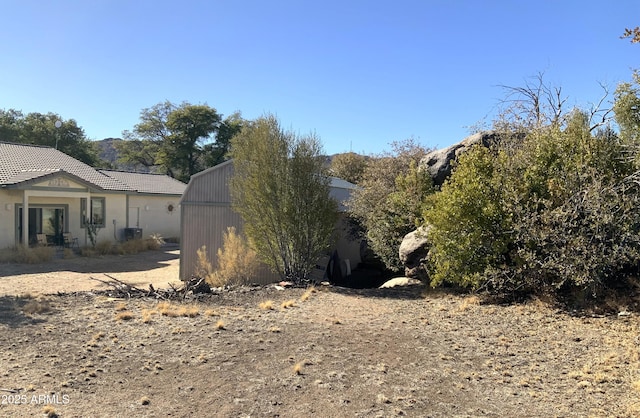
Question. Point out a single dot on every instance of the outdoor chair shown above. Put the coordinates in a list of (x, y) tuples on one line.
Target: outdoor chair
[(42, 240), (70, 241)]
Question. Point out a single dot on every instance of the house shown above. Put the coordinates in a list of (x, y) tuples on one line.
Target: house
[(207, 213), (60, 194)]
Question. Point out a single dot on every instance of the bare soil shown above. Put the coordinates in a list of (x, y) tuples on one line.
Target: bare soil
[(334, 352)]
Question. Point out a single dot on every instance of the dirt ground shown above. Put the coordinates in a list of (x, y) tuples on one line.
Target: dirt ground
[(326, 352)]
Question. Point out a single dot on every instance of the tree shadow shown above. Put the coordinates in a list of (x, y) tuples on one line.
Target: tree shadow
[(12, 312)]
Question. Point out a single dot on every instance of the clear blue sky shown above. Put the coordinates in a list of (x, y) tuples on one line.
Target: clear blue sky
[(359, 73)]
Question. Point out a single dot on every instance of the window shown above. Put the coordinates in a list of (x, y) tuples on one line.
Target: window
[(95, 213)]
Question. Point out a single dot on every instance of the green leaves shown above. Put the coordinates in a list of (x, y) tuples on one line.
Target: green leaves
[(282, 193)]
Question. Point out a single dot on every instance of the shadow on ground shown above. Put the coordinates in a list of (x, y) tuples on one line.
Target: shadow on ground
[(12, 312)]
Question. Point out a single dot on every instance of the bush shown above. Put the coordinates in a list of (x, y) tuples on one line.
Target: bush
[(237, 262), (389, 203), (558, 212)]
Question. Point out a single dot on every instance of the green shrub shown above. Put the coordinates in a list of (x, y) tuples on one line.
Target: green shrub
[(469, 225), (390, 201), (557, 212)]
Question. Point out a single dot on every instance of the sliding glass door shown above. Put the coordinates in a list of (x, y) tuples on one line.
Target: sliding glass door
[(49, 220)]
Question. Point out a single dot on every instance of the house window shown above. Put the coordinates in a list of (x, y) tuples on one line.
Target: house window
[(95, 213)]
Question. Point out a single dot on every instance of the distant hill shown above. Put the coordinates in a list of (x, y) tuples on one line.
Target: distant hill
[(108, 151), (109, 154)]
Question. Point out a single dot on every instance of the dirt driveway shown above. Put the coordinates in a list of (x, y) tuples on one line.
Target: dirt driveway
[(332, 352), (72, 275)]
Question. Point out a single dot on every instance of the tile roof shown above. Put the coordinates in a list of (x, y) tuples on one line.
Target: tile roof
[(148, 183), (21, 163)]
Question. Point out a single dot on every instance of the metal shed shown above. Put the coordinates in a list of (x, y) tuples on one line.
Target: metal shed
[(206, 214)]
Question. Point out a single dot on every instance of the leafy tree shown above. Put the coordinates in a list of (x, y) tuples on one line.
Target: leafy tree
[(627, 111), (281, 190), (557, 212), (632, 34), (216, 152), (348, 166), (389, 202), (41, 129), (171, 138)]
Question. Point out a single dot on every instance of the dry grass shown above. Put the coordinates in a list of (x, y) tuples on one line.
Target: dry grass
[(307, 294), (267, 305), (211, 312), (288, 304), (237, 262), (26, 255), (125, 316), (468, 302), (49, 411), (220, 325), (37, 306), (122, 306)]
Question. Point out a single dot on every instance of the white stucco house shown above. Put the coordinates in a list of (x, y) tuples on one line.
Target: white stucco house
[(44, 191)]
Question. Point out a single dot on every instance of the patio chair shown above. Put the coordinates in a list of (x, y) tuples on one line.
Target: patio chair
[(70, 241), (42, 240)]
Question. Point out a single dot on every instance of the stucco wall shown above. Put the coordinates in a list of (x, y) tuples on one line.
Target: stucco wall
[(151, 213)]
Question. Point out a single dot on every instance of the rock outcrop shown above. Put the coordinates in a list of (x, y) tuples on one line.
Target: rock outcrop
[(413, 253), (439, 163)]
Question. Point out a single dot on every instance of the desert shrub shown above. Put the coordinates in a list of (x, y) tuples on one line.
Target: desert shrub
[(237, 262), (469, 225), (133, 246), (558, 212), (389, 203), (103, 247), (204, 268), (26, 255), (155, 241)]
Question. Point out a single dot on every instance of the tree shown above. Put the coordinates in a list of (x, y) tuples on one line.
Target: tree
[(49, 130), (633, 34), (348, 166), (171, 138), (388, 204), (216, 152), (281, 190)]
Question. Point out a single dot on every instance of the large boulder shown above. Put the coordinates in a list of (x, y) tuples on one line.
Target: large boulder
[(439, 163), (413, 253)]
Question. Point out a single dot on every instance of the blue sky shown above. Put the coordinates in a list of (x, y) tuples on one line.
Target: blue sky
[(360, 74)]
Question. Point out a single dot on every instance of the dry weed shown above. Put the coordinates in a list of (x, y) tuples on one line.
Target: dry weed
[(267, 305), (49, 411), (124, 316), (468, 302), (122, 306), (220, 325), (288, 304), (38, 306), (237, 261), (307, 294)]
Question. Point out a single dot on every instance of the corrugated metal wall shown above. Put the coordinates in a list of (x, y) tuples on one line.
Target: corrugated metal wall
[(206, 213)]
